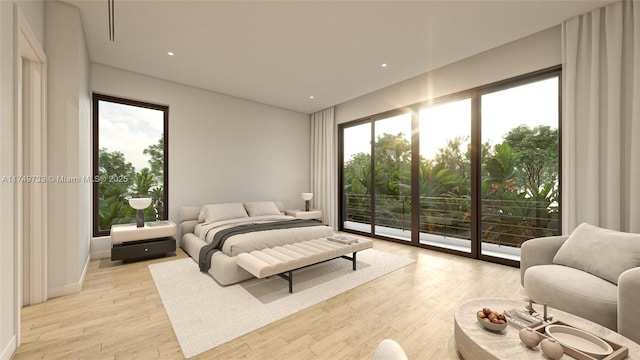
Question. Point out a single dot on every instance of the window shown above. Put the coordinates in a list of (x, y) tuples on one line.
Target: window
[(519, 160), (388, 185), (392, 180), (357, 177), (130, 150), (445, 174), (484, 164)]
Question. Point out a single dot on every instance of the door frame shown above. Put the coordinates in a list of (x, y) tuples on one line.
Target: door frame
[(30, 134)]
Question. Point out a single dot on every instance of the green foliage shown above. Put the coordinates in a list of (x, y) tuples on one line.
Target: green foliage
[(438, 180), (156, 161), (120, 182), (514, 211), (115, 173), (114, 210), (453, 158), (501, 165), (116, 176), (519, 186), (357, 184), (357, 174), (392, 180), (538, 154), (157, 193), (444, 198), (143, 181), (392, 164)]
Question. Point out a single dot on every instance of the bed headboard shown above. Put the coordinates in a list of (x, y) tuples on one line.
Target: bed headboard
[(188, 219)]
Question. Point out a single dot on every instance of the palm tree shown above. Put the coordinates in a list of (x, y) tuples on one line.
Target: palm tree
[(142, 183)]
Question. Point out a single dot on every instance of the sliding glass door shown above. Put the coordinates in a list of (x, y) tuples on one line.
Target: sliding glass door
[(520, 182), (392, 174), (474, 173), (376, 189), (356, 178), (445, 175)]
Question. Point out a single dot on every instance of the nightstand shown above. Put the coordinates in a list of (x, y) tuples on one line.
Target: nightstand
[(301, 214), (130, 242)]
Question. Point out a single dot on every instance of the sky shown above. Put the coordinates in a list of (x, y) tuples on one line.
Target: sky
[(531, 104), (130, 130)]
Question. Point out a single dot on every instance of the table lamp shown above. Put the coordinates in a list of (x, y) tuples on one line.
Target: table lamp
[(307, 197), (140, 204)]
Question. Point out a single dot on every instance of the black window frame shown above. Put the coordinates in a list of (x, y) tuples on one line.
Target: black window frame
[(476, 124), (96, 98)]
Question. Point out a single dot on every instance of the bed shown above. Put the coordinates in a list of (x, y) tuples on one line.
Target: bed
[(244, 227)]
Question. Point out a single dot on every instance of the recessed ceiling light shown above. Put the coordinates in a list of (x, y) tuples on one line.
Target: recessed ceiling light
[(170, 53), (312, 97), (384, 65)]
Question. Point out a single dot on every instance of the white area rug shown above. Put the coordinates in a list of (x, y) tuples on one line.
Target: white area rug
[(205, 314)]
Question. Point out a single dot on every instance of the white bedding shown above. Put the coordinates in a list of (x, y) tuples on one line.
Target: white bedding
[(206, 231), (224, 269), (261, 239)]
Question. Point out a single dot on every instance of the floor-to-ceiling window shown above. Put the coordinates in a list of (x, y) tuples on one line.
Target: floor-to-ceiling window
[(392, 176), (356, 177), (129, 160), (376, 176), (520, 157), (475, 173), (445, 174)]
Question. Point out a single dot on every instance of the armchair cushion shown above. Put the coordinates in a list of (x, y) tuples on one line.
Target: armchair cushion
[(602, 252), (574, 291), (539, 251)]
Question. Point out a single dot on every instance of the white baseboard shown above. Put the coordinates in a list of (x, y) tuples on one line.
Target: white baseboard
[(104, 254), (101, 247), (70, 288), (8, 351)]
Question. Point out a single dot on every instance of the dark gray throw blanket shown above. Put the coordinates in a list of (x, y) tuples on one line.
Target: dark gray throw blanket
[(221, 236)]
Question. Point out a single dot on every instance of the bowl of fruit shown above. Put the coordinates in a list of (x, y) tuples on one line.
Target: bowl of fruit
[(491, 319)]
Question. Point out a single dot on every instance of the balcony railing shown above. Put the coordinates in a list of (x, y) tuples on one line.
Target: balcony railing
[(503, 222)]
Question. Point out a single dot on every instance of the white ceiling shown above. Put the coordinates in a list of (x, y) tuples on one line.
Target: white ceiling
[(281, 53)]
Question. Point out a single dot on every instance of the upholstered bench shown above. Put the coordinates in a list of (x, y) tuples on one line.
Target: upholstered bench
[(283, 260)]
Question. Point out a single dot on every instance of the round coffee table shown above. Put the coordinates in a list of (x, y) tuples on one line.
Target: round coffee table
[(474, 342)]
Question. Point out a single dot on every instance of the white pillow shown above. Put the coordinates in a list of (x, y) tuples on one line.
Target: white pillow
[(202, 214), (218, 212), (262, 208), (601, 252)]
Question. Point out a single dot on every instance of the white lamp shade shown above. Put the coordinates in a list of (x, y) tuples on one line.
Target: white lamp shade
[(307, 196), (140, 203)]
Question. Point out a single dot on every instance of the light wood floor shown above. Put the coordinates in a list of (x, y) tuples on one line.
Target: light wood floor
[(119, 315)]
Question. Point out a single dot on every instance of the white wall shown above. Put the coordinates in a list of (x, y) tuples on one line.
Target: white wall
[(68, 148), (221, 148), (7, 270), (535, 52), (33, 11), (84, 156)]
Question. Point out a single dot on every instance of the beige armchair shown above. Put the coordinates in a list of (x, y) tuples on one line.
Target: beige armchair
[(578, 276)]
